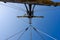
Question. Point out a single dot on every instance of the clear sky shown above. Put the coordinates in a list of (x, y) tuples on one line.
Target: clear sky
[(10, 24)]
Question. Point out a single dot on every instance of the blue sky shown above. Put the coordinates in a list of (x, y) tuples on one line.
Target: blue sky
[(10, 24)]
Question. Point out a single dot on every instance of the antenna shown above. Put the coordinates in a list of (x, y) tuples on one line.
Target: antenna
[(30, 15)]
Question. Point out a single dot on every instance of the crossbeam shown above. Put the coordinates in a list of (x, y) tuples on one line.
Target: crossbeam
[(30, 16)]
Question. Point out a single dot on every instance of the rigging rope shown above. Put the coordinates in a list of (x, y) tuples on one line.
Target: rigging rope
[(44, 33), (16, 34), (38, 33), (30, 33), (22, 33)]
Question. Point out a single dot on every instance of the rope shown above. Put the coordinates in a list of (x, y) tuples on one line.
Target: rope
[(14, 35), (22, 33), (45, 34), (38, 33), (30, 33)]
